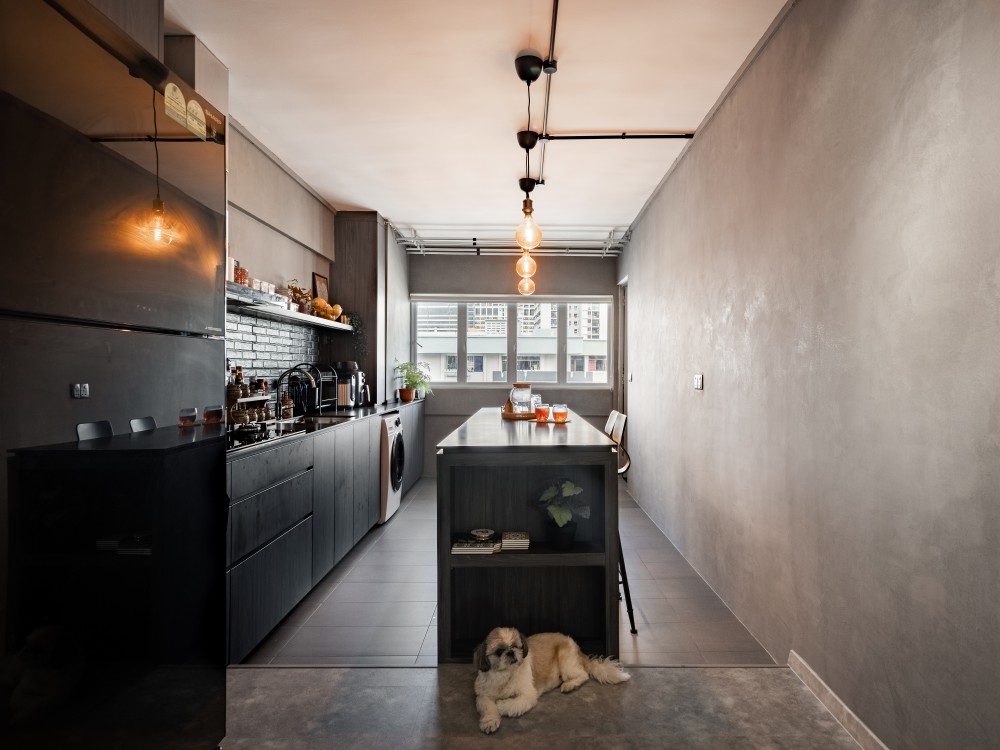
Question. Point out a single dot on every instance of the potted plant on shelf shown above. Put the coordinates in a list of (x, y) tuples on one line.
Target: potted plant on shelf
[(561, 500), (416, 377)]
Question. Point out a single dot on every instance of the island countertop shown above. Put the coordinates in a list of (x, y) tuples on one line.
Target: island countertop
[(486, 430)]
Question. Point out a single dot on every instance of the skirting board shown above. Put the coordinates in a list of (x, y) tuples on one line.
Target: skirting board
[(864, 736)]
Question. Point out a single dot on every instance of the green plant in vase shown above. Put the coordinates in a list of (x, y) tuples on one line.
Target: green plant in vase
[(416, 377)]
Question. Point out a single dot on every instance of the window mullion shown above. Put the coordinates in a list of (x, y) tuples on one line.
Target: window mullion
[(561, 350), (462, 376), (512, 327)]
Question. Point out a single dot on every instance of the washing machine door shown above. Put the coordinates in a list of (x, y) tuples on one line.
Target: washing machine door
[(396, 462)]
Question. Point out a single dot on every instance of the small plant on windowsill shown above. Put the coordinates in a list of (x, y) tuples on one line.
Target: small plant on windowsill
[(561, 500), (416, 377)]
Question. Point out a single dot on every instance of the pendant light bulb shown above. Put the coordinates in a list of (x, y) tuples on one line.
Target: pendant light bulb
[(528, 233), (526, 265), (158, 226), (526, 286)]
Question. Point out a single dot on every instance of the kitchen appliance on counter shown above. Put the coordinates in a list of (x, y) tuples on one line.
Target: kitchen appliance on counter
[(312, 388), (352, 390), (391, 470)]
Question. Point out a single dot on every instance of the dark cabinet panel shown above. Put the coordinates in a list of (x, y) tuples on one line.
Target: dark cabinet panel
[(362, 479), (264, 468), (412, 418), (324, 503), (374, 470), (265, 587), (257, 519), (344, 492)]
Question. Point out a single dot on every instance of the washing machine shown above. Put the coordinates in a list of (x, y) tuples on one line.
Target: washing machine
[(393, 457)]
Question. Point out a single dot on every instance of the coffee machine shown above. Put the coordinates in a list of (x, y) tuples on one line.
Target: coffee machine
[(352, 389)]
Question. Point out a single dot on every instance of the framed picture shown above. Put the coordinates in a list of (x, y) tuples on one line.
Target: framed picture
[(320, 287)]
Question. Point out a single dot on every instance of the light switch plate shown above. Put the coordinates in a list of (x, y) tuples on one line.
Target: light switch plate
[(74, 390), (84, 390), (699, 381)]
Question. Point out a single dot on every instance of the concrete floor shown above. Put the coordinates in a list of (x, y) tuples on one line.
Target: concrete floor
[(699, 679), (708, 708)]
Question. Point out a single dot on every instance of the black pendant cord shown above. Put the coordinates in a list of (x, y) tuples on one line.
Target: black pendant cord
[(527, 152), (156, 148)]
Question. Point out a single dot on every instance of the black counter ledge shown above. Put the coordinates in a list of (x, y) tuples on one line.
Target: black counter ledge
[(162, 439), (486, 430)]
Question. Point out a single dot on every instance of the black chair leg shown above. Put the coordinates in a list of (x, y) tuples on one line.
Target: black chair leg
[(628, 596)]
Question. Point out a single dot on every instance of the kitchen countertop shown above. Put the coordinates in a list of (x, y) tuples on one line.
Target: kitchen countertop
[(486, 430), (302, 428)]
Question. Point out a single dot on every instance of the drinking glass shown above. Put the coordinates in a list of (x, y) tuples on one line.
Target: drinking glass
[(559, 413), (187, 417), (542, 412)]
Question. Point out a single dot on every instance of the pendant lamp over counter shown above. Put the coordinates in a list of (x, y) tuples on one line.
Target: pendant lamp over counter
[(528, 234), (157, 226)]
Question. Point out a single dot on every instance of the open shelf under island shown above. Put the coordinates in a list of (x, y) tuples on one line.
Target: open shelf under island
[(490, 472)]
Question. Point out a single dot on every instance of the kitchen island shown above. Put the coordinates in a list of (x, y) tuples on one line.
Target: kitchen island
[(490, 472)]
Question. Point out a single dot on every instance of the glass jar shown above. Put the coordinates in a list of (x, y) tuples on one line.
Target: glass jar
[(520, 398), (240, 274)]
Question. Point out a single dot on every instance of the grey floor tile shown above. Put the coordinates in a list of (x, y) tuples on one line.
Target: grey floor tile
[(662, 659), (721, 636), (385, 573), (413, 614), (406, 545), (396, 591), (354, 641), (684, 587), (700, 609), (756, 656), (664, 637), (387, 555)]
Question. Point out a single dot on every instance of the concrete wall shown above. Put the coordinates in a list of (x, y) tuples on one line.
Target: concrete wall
[(826, 252)]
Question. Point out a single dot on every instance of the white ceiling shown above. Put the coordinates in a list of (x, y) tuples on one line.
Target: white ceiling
[(412, 108)]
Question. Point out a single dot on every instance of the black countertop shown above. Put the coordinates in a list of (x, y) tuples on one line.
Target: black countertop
[(486, 430), (170, 438)]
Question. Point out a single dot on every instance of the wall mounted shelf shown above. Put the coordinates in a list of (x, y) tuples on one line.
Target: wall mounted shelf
[(249, 302)]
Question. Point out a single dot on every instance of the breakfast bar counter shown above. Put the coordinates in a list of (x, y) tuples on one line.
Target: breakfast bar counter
[(490, 475)]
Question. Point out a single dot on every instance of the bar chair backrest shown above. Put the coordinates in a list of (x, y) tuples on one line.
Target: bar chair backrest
[(142, 424), (92, 430)]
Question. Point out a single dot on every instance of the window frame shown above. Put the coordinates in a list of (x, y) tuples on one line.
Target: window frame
[(561, 304)]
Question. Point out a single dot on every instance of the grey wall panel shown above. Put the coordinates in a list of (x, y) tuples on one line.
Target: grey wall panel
[(494, 274), (140, 19), (397, 300), (263, 188), (269, 255), (826, 254)]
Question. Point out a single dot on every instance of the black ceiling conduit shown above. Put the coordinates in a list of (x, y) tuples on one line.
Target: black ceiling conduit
[(549, 67)]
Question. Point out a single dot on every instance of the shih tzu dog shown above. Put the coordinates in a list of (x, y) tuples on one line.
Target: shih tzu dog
[(514, 671)]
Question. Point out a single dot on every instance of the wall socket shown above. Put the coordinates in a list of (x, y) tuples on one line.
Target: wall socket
[(79, 390), (699, 381)]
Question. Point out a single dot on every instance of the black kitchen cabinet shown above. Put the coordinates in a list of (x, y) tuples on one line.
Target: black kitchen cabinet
[(374, 470), (343, 491), (324, 503), (412, 419), (116, 592), (362, 469), (270, 557)]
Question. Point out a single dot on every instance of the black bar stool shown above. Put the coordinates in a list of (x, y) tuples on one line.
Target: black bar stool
[(615, 429)]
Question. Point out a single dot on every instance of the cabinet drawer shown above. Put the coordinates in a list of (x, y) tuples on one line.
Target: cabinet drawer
[(264, 468), (261, 517), (266, 586)]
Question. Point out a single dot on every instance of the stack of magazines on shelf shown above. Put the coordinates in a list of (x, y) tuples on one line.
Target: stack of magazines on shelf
[(468, 546), (514, 540)]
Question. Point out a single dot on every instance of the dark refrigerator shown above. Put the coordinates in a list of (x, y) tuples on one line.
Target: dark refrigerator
[(91, 293)]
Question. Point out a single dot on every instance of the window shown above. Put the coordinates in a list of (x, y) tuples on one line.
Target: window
[(486, 341), (436, 338), (548, 341), (587, 346), (537, 339)]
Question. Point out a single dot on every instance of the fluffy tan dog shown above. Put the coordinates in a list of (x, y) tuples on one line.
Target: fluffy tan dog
[(514, 671)]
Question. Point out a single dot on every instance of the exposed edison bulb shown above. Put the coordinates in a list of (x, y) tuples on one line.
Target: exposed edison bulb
[(526, 265), (526, 286), (528, 233), (157, 227)]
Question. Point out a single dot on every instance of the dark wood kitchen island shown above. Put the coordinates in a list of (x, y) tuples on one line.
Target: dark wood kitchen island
[(490, 472)]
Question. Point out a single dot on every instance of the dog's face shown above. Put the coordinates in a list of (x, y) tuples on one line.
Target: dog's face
[(504, 648)]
